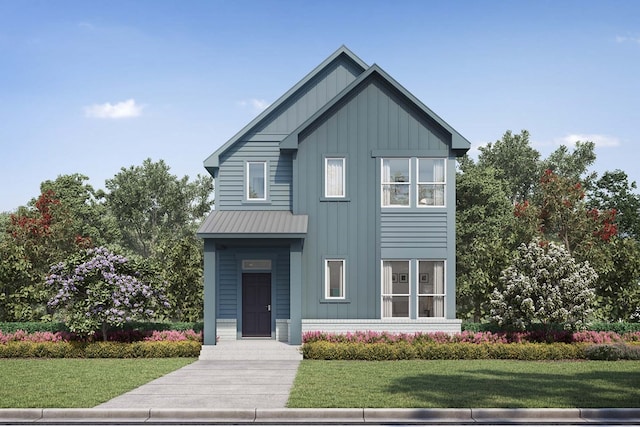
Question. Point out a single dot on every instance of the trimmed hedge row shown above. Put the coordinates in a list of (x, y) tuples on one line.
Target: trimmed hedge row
[(429, 351), (31, 327), (617, 327), (141, 349)]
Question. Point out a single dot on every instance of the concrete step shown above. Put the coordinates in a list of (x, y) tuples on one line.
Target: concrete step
[(251, 349)]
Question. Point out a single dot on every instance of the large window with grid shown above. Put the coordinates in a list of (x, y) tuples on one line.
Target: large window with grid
[(413, 182), (431, 289), (396, 289)]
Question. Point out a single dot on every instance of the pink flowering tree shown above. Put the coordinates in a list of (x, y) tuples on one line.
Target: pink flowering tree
[(96, 289)]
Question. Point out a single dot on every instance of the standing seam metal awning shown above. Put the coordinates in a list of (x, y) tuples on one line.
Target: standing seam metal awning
[(253, 224)]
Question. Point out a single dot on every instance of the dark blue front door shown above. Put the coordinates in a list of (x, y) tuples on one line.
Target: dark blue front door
[(256, 304)]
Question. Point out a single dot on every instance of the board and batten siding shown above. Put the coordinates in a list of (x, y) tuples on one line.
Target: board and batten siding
[(374, 119)]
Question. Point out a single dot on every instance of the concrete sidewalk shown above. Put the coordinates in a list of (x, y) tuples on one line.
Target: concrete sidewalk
[(234, 376)]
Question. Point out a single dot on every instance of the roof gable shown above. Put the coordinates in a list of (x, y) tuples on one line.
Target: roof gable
[(459, 144), (262, 120)]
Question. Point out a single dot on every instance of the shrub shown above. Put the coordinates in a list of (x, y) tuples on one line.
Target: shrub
[(431, 351), (100, 349), (614, 351)]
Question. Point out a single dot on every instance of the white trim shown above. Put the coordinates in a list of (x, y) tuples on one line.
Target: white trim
[(327, 278), (387, 295), (387, 181), (327, 173), (433, 294), (248, 183), (443, 183)]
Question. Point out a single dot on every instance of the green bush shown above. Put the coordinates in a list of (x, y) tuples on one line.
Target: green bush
[(31, 327), (616, 351), (620, 328), (432, 351), (115, 350)]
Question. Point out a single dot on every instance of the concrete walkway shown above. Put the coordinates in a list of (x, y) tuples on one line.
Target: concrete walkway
[(242, 374)]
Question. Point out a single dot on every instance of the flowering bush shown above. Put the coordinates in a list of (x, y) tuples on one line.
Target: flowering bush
[(468, 337), (174, 336), (544, 286), (98, 288), (22, 336)]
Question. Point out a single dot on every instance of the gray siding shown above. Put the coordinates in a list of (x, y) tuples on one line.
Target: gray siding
[(282, 285), (373, 119), (262, 143), (228, 285), (413, 229)]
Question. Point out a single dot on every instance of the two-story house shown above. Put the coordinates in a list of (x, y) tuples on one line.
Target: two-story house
[(335, 211)]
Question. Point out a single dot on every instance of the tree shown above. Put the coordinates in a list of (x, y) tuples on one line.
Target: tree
[(572, 165), (483, 220), (613, 191), (180, 262), (544, 286), (97, 289), (151, 205), (515, 162)]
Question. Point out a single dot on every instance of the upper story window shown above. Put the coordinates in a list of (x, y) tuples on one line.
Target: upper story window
[(256, 181), (396, 182), (334, 177), (334, 279), (399, 186), (431, 182)]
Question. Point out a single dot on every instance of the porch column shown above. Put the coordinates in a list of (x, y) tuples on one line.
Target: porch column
[(210, 327), (295, 294)]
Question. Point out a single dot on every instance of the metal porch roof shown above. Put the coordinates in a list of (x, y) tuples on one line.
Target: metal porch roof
[(253, 224)]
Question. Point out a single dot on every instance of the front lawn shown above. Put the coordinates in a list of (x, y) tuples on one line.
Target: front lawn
[(466, 384), (76, 383)]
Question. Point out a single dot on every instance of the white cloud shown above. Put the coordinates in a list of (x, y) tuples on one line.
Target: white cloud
[(599, 140), (625, 39), (121, 110), (256, 104)]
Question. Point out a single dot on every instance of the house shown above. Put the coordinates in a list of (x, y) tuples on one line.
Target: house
[(335, 211)]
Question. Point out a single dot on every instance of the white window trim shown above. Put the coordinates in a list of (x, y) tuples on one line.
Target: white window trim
[(248, 182), (443, 183), (383, 182), (434, 294), (326, 177), (383, 294), (327, 289)]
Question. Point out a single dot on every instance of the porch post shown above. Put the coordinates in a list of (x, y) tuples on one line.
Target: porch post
[(295, 294), (210, 327)]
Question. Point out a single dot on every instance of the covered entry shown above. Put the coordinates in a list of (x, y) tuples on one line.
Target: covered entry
[(253, 275)]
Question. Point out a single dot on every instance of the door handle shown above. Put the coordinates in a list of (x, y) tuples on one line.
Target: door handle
[(269, 307)]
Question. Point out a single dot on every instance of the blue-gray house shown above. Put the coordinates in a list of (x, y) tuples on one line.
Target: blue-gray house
[(335, 211)]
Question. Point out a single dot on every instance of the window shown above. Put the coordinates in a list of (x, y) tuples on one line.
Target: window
[(396, 182), (334, 278), (256, 181), (431, 182), (334, 177), (396, 289), (431, 289)]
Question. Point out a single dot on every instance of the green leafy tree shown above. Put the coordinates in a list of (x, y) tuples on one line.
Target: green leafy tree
[(180, 262), (613, 191), (97, 289), (572, 165), (483, 220), (544, 286), (150, 205), (515, 162)]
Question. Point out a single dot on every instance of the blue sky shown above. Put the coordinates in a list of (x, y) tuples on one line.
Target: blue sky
[(93, 86)]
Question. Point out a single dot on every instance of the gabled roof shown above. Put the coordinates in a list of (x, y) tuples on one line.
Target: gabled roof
[(253, 224), (458, 142), (212, 162)]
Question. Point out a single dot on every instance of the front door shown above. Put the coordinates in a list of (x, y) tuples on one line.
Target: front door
[(256, 304)]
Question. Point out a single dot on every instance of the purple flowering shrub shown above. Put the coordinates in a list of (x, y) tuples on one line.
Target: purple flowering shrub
[(370, 337), (115, 336), (188, 335), (97, 288)]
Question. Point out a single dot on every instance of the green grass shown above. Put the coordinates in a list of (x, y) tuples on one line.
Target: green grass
[(76, 383), (466, 384)]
